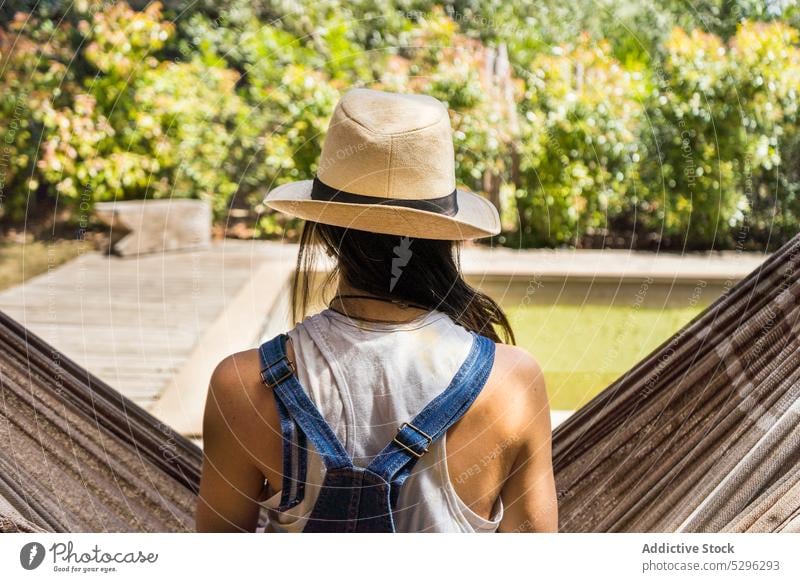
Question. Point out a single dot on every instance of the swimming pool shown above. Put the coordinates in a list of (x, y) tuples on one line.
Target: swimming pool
[(584, 348), (586, 329)]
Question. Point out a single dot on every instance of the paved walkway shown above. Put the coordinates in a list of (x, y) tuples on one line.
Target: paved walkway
[(154, 326)]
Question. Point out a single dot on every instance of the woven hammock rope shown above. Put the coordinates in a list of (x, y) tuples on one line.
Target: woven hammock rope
[(703, 435)]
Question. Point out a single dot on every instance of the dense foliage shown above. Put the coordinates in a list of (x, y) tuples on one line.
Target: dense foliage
[(593, 123)]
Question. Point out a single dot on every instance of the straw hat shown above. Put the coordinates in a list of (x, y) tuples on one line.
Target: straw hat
[(387, 166)]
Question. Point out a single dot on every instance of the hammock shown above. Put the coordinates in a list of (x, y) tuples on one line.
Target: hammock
[(77, 456), (701, 436)]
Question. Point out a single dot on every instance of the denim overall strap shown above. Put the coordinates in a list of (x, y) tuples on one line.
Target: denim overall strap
[(395, 461), (294, 454), (294, 406)]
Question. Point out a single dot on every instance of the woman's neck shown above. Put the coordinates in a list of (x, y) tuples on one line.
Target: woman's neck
[(357, 304)]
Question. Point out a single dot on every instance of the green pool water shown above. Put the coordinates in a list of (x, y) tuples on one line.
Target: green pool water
[(583, 348)]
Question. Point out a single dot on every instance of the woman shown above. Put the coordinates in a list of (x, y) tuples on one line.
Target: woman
[(398, 407)]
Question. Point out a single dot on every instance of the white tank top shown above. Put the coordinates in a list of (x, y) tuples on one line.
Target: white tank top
[(366, 379)]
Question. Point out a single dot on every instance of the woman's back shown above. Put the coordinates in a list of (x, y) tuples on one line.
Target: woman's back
[(366, 379), (391, 216), (493, 464)]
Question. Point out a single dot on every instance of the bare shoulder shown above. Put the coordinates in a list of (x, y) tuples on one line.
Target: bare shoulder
[(240, 411), (237, 399), (529, 488), (235, 378), (516, 361), (519, 373), (514, 400)]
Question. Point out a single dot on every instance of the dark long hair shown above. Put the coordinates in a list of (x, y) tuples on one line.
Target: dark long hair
[(421, 271)]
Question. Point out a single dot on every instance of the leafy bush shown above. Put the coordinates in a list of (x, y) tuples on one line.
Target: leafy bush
[(580, 144), (690, 195), (765, 61), (581, 132), (722, 118)]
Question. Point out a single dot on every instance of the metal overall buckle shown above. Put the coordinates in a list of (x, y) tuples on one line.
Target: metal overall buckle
[(419, 431), (272, 383)]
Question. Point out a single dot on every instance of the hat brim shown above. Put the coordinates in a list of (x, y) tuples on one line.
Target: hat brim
[(476, 216)]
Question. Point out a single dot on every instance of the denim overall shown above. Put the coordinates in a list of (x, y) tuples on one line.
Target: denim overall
[(360, 499)]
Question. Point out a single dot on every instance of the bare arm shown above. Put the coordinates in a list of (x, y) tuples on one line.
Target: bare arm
[(529, 493), (230, 482)]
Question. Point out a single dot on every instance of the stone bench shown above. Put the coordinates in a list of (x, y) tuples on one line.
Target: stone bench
[(150, 226)]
